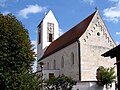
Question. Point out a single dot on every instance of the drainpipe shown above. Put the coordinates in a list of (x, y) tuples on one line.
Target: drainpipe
[(79, 60)]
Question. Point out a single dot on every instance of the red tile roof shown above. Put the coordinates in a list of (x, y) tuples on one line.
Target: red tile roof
[(69, 37)]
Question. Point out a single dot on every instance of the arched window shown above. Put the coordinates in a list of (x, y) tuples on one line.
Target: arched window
[(62, 62), (72, 58), (54, 64), (47, 65)]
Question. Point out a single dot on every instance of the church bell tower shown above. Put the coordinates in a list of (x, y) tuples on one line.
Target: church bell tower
[(48, 31)]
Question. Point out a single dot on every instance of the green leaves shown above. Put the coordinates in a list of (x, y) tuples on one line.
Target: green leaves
[(64, 82), (16, 54), (105, 76)]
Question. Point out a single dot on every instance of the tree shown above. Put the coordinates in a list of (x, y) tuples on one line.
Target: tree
[(29, 82), (105, 76), (16, 54), (63, 82)]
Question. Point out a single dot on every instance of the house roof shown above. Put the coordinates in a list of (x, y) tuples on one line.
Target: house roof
[(69, 37), (113, 52)]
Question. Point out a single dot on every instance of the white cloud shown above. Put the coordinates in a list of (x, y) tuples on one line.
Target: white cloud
[(91, 2), (117, 33), (31, 9), (113, 13), (5, 12)]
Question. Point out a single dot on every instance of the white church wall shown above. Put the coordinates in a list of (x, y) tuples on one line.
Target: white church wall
[(92, 46), (39, 45), (69, 69), (91, 86)]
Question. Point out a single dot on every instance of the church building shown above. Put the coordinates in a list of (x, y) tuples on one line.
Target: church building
[(76, 53)]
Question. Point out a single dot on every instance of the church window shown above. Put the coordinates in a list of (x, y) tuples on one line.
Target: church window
[(97, 17), (101, 28), (54, 64), (62, 62), (108, 40), (72, 58), (98, 34), (47, 65)]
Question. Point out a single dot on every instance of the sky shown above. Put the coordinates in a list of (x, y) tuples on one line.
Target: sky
[(67, 12)]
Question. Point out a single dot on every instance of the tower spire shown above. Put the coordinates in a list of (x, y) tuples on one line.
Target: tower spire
[(96, 8)]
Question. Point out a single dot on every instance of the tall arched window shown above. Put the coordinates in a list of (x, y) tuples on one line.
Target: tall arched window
[(72, 58), (62, 62), (47, 65), (54, 64)]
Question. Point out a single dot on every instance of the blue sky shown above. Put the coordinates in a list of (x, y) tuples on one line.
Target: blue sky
[(67, 12)]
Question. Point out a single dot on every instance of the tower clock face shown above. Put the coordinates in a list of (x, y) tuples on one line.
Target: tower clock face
[(50, 27)]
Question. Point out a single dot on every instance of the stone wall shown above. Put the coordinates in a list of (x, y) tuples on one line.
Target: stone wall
[(93, 43), (69, 69)]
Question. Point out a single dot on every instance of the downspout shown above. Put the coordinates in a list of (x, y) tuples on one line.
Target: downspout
[(79, 60)]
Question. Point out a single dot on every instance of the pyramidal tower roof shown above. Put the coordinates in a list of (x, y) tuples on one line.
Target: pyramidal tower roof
[(49, 13)]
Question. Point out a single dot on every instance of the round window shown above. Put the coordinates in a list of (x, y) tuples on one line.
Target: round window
[(98, 33)]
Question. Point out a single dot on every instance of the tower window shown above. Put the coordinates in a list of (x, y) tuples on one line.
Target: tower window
[(39, 37), (50, 37)]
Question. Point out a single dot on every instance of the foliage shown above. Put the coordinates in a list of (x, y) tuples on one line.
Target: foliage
[(64, 82), (29, 82), (105, 76), (16, 54)]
